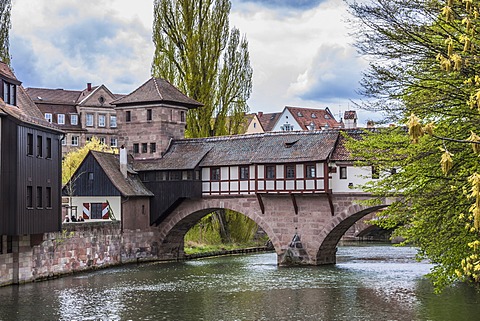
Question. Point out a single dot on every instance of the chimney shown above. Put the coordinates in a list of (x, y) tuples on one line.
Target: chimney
[(260, 114), (89, 86), (123, 161)]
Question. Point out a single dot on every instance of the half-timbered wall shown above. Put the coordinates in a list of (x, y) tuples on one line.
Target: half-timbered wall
[(265, 178)]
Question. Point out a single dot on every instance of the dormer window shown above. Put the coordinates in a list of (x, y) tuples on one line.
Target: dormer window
[(299, 114), (314, 116), (9, 93)]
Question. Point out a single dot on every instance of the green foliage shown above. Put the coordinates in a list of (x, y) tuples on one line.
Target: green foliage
[(425, 73), (72, 160), (5, 25), (207, 230), (195, 51)]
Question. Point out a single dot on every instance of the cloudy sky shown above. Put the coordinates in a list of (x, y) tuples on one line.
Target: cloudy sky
[(300, 50)]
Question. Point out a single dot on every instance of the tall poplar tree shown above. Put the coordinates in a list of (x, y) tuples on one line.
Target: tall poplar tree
[(5, 8), (425, 74), (196, 52)]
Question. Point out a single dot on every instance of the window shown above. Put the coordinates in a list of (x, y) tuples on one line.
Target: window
[(113, 142), (182, 116), (74, 119), (9, 93), (175, 175), (74, 140), (128, 115), (289, 171), (103, 140), (244, 173), (89, 120), (96, 210), (113, 121), (101, 120), (49, 147), (286, 127), (149, 114), (39, 197), (153, 148), (375, 172), (48, 117), (88, 138), (39, 146), (144, 147), (48, 197), (30, 144), (270, 169), (61, 119), (135, 148), (310, 171), (215, 173), (29, 196), (90, 176), (343, 172)]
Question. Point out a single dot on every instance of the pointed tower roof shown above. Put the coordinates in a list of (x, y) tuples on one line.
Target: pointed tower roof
[(154, 91)]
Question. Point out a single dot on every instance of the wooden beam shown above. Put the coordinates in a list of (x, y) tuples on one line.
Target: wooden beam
[(260, 202), (294, 201), (330, 202)]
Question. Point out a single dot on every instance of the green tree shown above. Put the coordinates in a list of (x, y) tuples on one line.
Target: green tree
[(197, 53), (72, 160), (424, 73), (5, 8)]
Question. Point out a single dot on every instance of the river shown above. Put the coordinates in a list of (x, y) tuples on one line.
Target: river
[(369, 282)]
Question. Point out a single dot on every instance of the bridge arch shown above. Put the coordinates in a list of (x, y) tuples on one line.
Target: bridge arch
[(173, 229), (336, 228)]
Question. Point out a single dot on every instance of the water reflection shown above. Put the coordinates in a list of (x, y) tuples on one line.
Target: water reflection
[(368, 283)]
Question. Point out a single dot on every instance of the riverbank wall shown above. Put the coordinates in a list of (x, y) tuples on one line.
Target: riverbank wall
[(78, 247)]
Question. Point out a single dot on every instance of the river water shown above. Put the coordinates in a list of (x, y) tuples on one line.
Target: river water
[(369, 282)]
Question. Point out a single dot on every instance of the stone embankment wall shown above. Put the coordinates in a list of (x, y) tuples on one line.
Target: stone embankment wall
[(78, 247)]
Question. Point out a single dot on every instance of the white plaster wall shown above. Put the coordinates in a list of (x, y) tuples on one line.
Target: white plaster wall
[(261, 171), (206, 174), (300, 170), (224, 171), (354, 176), (115, 203), (234, 172), (286, 118), (279, 171)]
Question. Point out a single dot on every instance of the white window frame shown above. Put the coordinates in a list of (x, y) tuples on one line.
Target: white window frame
[(102, 119), (74, 119), (89, 120), (113, 142), (113, 121), (103, 140), (61, 119), (75, 140), (48, 117)]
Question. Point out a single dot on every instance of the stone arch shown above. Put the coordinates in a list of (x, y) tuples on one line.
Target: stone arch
[(173, 229), (336, 228)]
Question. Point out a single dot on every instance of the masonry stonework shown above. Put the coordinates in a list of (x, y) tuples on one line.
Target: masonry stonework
[(79, 247)]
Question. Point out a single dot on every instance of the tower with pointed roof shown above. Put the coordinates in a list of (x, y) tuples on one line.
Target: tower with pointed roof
[(150, 116)]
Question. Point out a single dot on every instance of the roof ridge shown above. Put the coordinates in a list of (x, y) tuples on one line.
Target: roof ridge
[(157, 89)]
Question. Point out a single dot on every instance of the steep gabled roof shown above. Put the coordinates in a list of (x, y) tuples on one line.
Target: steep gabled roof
[(110, 164), (268, 121), (54, 96), (157, 90), (25, 110), (318, 117)]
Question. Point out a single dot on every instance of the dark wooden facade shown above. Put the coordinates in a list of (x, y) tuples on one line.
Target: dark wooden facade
[(30, 178), (90, 179), (170, 188)]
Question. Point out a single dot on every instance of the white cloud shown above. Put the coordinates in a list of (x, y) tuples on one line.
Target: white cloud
[(300, 51)]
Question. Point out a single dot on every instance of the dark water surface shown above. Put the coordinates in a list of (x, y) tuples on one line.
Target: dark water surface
[(370, 282)]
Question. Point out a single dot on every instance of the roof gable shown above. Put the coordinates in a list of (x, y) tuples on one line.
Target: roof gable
[(99, 96), (313, 119), (157, 90)]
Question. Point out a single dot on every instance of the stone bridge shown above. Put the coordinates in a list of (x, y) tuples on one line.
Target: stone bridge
[(304, 229)]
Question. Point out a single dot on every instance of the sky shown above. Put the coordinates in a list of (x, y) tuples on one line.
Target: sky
[(300, 50)]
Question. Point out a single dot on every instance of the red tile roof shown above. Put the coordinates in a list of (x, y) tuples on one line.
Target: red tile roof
[(319, 118), (268, 121)]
